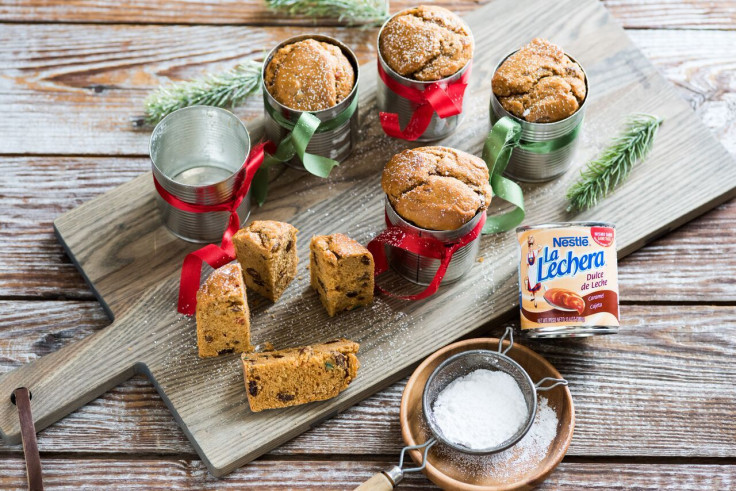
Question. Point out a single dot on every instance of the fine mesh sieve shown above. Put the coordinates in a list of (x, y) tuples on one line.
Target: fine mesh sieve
[(449, 370)]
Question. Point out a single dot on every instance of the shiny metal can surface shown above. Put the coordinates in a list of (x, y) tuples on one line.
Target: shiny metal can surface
[(420, 269), (389, 102), (198, 155), (337, 143), (568, 279), (529, 165)]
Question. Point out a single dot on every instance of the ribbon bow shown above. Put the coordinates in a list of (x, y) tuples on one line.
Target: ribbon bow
[(212, 254), (446, 99), (295, 144), (422, 246)]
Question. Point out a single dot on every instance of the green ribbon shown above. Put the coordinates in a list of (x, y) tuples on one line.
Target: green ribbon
[(500, 143), (503, 138), (295, 144)]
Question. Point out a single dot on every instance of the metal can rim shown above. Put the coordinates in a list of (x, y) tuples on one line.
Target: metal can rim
[(551, 225), (455, 234), (327, 113), (188, 187)]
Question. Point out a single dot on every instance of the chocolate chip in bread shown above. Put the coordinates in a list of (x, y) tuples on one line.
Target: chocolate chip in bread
[(426, 43), (540, 83), (437, 188), (309, 75)]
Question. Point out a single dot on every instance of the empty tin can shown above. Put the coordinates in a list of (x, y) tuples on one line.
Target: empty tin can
[(337, 143), (420, 269), (390, 102), (529, 161), (198, 155), (568, 279)]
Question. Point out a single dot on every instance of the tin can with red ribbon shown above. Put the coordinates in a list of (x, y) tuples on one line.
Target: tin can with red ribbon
[(422, 116), (198, 157), (421, 269), (568, 279)]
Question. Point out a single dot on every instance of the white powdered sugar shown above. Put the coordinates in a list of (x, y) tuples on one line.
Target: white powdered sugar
[(481, 410)]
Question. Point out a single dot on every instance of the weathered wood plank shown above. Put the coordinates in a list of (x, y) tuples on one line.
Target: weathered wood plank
[(101, 74), (662, 385), (668, 14), (165, 474), (686, 265)]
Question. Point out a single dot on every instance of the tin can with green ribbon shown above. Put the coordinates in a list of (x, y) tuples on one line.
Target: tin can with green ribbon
[(312, 140), (541, 151)]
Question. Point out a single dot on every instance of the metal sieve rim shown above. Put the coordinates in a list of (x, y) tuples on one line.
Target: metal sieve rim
[(531, 413)]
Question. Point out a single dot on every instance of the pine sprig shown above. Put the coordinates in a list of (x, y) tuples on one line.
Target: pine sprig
[(602, 175), (226, 89), (353, 11)]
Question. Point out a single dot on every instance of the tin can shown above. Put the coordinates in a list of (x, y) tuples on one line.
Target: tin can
[(198, 155), (420, 269), (528, 165), (337, 143), (390, 102), (568, 279)]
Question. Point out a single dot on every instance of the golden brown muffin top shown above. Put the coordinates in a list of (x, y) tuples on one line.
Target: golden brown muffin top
[(339, 245), (437, 188), (268, 234), (426, 43), (309, 75), (224, 282), (540, 83)]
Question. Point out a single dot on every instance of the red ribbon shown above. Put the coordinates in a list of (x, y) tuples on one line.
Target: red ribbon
[(446, 99), (213, 255), (423, 246)]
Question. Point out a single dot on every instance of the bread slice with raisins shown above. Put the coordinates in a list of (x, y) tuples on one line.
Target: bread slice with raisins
[(223, 318), (282, 378), (266, 249)]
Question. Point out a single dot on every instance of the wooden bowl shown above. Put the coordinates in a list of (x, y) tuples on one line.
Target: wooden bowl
[(451, 469)]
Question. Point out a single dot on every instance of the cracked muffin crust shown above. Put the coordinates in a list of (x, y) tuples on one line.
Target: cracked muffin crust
[(540, 83), (437, 188), (426, 43), (223, 318), (266, 250), (341, 271), (309, 75), (275, 379)]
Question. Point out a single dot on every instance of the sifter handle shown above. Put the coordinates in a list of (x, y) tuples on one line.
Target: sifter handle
[(378, 482)]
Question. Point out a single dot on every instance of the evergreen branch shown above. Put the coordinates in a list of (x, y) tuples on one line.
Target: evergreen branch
[(354, 11), (601, 176), (226, 89)]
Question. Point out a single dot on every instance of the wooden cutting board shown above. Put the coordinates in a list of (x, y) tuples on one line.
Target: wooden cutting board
[(132, 262)]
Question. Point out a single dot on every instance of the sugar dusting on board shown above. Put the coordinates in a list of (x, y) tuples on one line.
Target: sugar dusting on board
[(481, 410)]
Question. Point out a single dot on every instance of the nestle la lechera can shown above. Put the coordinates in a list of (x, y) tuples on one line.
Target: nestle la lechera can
[(568, 279), (529, 165), (337, 143)]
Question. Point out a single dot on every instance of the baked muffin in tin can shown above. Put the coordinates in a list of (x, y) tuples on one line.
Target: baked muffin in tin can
[(419, 48), (435, 192), (316, 74), (543, 90)]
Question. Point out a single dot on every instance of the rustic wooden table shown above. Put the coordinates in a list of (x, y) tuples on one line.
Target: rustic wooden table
[(72, 80)]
